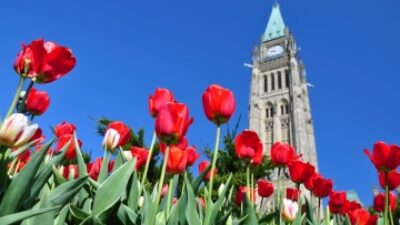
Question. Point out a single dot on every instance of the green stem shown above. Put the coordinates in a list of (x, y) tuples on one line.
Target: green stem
[(169, 200), (261, 203), (385, 219), (23, 101), (319, 210), (104, 166), (214, 162), (16, 97), (248, 182), (146, 168), (252, 187)]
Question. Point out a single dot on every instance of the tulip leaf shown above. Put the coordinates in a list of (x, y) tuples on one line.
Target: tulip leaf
[(197, 182), (191, 212), (133, 196), (251, 214), (119, 161), (22, 149), (16, 217), (81, 162), (62, 216), (310, 212), (112, 189), (104, 167), (16, 193), (58, 178), (126, 215), (78, 215), (213, 209)]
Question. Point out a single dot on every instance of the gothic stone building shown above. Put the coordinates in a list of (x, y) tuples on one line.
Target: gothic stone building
[(279, 102)]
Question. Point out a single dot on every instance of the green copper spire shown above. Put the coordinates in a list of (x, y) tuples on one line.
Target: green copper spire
[(276, 26)]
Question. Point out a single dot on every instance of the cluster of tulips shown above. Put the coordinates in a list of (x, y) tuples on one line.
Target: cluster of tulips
[(113, 189)]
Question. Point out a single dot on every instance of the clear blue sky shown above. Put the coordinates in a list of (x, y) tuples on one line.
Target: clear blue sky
[(125, 49)]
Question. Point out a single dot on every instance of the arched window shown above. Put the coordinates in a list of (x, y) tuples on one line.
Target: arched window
[(272, 82), (284, 107), (269, 111), (282, 110), (279, 80), (287, 80), (265, 84)]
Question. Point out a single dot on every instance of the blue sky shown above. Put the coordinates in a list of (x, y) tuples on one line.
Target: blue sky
[(125, 49)]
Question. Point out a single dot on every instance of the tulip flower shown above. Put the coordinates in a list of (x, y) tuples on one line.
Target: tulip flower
[(94, 168), (221, 189), (164, 190), (289, 210), (337, 200), (300, 171), (379, 202), (177, 161), (202, 166), (64, 128), (264, 188), (393, 179), (192, 155), (16, 130), (70, 171), (322, 187), (202, 202), (44, 62), (183, 144), (70, 153), (218, 104), (249, 146), (37, 102), (292, 194), (282, 154), (309, 184), (172, 123), (22, 160), (385, 157), (117, 134), (157, 101), (349, 206), (140, 154), (241, 195), (362, 217)]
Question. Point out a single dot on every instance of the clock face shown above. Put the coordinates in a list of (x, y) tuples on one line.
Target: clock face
[(275, 51)]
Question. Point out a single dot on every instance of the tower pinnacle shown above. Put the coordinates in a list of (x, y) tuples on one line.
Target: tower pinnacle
[(276, 26)]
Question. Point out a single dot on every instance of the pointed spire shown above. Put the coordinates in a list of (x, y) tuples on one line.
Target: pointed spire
[(276, 26)]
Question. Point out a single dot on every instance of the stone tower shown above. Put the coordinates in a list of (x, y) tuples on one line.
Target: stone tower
[(279, 103)]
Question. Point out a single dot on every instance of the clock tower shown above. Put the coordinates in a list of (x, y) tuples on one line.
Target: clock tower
[(279, 103)]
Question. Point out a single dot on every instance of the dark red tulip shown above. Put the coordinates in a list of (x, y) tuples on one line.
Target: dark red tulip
[(379, 202), (249, 146), (95, 167), (322, 187), (362, 217), (309, 184), (158, 100), (70, 154), (172, 122), (349, 206), (292, 194), (44, 62), (64, 128), (264, 188), (141, 156), (385, 157), (337, 200), (241, 195), (177, 161), (202, 166), (218, 104), (300, 171), (37, 102), (183, 144), (282, 154), (393, 179), (192, 155)]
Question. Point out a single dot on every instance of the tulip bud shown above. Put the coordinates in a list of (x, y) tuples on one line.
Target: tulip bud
[(127, 155), (289, 210), (164, 190), (16, 130), (221, 189), (117, 134), (37, 102), (141, 201), (218, 104), (111, 139)]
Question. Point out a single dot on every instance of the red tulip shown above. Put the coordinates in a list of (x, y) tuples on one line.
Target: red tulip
[(22, 160), (322, 187), (337, 200), (218, 104), (70, 154), (117, 134), (349, 206), (249, 146), (241, 195), (362, 217), (141, 156), (282, 154), (37, 102), (157, 101), (379, 202), (192, 155), (300, 171), (292, 194), (44, 62), (172, 122), (202, 166), (70, 171), (393, 179), (164, 190), (385, 157), (177, 161), (264, 188), (183, 144), (64, 128), (95, 167), (309, 184), (202, 202)]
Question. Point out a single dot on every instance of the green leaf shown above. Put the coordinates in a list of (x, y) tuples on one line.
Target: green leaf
[(126, 215), (81, 161), (251, 214), (22, 149), (112, 189), (77, 214), (191, 212), (213, 209), (197, 182), (16, 217), (133, 196), (16, 193), (60, 219), (104, 167), (310, 212)]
